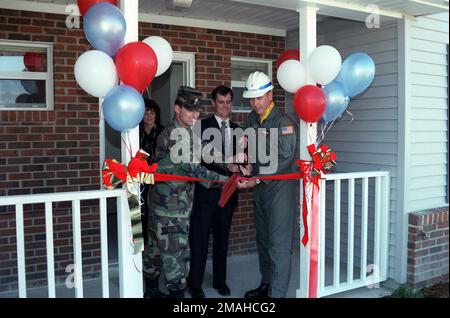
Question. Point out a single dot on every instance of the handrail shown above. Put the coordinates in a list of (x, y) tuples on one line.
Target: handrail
[(58, 197), (130, 265), (355, 175)]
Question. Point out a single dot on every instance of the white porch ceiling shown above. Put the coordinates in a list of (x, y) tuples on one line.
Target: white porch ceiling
[(270, 16)]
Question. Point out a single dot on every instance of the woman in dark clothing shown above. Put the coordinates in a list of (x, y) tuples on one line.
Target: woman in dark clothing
[(149, 130)]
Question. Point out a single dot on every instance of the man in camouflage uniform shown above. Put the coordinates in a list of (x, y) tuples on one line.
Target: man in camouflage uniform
[(274, 201), (170, 203)]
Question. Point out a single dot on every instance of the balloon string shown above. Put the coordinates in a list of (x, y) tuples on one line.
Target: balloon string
[(129, 142), (351, 116), (126, 145), (101, 112), (309, 132), (324, 128), (322, 132), (329, 127)]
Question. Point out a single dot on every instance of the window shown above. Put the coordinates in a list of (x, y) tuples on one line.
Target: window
[(240, 70), (26, 76)]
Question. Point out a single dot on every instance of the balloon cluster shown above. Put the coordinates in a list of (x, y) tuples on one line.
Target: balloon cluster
[(338, 81), (136, 64)]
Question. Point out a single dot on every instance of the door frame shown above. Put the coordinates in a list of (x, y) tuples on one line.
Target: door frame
[(188, 60)]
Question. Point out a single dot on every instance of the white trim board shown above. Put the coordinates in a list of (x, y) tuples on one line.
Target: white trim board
[(209, 24), (189, 60), (404, 139), (349, 8), (151, 18), (322, 5)]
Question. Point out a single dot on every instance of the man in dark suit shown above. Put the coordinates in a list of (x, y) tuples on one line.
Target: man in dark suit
[(207, 214)]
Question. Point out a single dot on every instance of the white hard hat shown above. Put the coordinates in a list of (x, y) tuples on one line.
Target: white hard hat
[(257, 85)]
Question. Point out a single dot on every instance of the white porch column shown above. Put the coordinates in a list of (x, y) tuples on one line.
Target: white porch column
[(307, 43), (130, 9), (130, 266)]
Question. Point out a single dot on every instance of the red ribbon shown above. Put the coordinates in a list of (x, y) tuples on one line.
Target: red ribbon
[(138, 169), (231, 184), (323, 159)]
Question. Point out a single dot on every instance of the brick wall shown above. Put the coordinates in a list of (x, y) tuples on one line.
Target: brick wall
[(213, 51), (58, 151), (428, 247), (49, 151)]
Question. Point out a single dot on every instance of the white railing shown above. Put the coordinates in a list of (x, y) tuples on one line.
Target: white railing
[(130, 266), (379, 232)]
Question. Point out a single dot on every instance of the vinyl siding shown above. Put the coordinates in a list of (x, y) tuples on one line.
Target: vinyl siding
[(369, 141), (427, 180)]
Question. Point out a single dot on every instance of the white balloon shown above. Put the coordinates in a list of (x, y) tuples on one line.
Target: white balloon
[(291, 75), (163, 52), (324, 64), (96, 73)]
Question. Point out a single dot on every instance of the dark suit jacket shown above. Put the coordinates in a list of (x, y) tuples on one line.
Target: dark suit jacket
[(211, 122), (206, 123)]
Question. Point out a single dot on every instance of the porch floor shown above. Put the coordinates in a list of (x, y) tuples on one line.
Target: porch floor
[(243, 274)]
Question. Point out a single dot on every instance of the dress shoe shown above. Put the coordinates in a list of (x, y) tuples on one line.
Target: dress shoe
[(196, 292), (261, 292), (222, 289)]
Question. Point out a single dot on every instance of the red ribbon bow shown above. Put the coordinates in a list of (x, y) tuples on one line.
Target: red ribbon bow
[(138, 170), (323, 159)]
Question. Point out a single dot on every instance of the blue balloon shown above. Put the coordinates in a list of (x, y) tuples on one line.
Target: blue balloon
[(357, 73), (123, 108), (336, 101), (105, 27)]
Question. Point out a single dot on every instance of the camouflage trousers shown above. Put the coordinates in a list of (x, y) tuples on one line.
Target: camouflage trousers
[(167, 251)]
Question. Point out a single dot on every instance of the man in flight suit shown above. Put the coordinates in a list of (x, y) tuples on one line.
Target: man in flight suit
[(274, 201)]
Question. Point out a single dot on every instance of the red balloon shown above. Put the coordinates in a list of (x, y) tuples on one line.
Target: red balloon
[(34, 61), (309, 103), (84, 5), (136, 65), (291, 54)]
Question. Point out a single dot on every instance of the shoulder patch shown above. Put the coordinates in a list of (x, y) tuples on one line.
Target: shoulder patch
[(287, 130)]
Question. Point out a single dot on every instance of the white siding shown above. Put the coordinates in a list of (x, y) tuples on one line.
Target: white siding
[(427, 178), (369, 142)]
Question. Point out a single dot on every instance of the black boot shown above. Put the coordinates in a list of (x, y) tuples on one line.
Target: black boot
[(261, 292), (176, 293), (196, 292), (152, 289)]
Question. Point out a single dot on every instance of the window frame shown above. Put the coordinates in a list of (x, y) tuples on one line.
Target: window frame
[(241, 84), (47, 76)]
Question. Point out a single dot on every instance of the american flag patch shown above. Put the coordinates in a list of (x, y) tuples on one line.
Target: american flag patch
[(287, 130)]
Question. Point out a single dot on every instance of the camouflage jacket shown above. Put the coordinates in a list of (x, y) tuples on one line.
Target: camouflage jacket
[(174, 199)]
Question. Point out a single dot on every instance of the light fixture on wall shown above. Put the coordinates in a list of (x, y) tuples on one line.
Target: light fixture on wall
[(178, 4)]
